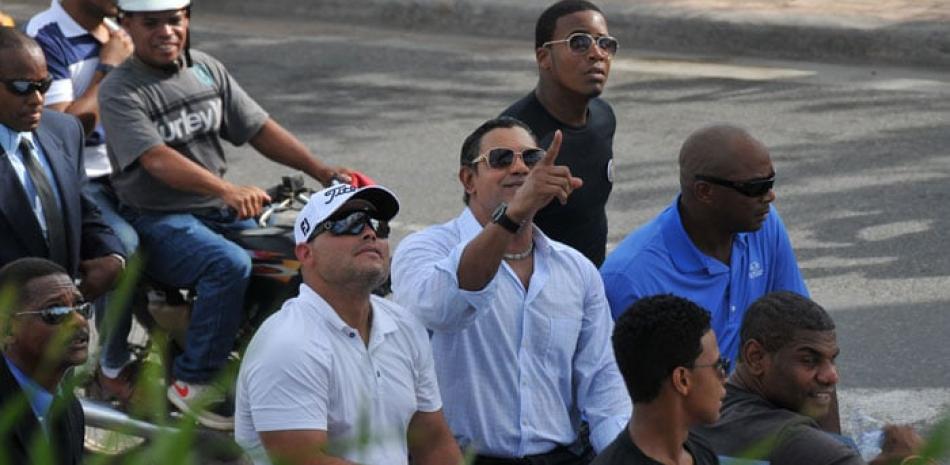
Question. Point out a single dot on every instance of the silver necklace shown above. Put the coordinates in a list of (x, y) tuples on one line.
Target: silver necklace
[(520, 255)]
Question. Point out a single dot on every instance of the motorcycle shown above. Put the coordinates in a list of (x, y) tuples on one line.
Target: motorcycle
[(275, 274), (162, 310)]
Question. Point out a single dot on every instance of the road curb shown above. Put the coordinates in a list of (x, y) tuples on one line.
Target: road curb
[(917, 44)]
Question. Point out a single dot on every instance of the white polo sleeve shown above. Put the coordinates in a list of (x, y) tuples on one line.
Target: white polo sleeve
[(428, 398), (287, 388)]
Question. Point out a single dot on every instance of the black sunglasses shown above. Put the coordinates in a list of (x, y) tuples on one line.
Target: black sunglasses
[(60, 313), (352, 224), (23, 87), (581, 42), (503, 158), (752, 188), (722, 366)]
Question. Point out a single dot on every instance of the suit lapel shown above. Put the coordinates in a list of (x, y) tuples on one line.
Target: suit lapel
[(15, 206), (62, 431), (12, 397)]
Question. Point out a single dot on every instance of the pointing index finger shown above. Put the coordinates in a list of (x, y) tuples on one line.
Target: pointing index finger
[(551, 154)]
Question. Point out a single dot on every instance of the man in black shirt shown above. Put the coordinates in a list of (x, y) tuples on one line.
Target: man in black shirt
[(574, 52), (669, 359), (785, 379)]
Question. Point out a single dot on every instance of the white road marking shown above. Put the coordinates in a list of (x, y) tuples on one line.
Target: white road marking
[(900, 406)]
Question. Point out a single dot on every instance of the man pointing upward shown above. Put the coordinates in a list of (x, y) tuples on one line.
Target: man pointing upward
[(520, 325)]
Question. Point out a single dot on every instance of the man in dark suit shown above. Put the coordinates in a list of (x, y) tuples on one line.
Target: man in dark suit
[(44, 326), (43, 211)]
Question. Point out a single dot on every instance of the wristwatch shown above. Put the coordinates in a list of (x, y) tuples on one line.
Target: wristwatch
[(499, 216)]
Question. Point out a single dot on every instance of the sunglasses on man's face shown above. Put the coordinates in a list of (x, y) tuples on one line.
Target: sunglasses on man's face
[(503, 158), (751, 188), (60, 313), (24, 87), (721, 366), (581, 42), (352, 224)]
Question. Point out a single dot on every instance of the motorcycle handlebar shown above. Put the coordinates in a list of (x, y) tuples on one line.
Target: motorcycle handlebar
[(291, 188)]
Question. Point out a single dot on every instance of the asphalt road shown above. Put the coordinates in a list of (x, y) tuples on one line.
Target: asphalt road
[(862, 156)]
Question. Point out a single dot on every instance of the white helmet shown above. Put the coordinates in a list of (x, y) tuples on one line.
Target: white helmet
[(152, 5)]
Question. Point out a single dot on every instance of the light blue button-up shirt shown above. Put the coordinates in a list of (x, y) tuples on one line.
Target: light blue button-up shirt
[(517, 368), (10, 142)]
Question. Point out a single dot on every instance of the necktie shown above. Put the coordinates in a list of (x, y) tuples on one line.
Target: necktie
[(55, 230)]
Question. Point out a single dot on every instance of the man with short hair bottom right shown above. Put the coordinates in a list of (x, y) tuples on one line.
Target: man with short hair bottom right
[(784, 381), (667, 354)]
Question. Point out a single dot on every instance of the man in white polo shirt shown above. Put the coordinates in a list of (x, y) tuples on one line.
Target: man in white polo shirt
[(339, 375)]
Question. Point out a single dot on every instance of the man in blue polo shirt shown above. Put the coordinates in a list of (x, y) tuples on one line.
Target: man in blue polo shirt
[(720, 244)]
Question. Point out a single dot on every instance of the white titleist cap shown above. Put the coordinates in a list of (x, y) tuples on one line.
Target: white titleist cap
[(325, 203), (152, 5)]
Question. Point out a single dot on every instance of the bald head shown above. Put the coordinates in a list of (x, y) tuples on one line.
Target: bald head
[(717, 150)]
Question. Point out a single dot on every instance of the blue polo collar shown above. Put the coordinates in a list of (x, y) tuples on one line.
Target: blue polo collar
[(687, 258)]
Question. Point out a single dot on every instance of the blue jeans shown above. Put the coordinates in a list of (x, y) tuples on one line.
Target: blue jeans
[(115, 333), (188, 251)]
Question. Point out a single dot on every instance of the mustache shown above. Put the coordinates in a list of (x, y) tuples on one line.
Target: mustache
[(81, 335)]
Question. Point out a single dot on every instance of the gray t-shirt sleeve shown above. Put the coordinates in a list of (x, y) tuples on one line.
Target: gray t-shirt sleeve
[(802, 444), (123, 115)]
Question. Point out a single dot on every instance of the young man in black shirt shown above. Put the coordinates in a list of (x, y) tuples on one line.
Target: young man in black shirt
[(669, 359), (574, 52)]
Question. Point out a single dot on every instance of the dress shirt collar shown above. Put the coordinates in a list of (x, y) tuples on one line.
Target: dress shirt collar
[(685, 255), (40, 399), (469, 227), (10, 139)]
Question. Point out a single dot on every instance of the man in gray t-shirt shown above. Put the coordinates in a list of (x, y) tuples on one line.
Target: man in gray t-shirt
[(168, 110), (784, 381)]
